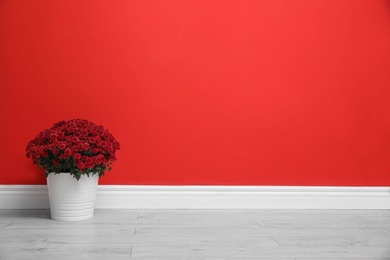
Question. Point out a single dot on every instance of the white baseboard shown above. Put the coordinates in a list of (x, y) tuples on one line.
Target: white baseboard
[(209, 197)]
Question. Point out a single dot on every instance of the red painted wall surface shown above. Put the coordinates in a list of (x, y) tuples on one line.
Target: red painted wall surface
[(204, 92)]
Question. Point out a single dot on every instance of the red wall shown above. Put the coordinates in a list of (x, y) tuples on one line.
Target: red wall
[(204, 92)]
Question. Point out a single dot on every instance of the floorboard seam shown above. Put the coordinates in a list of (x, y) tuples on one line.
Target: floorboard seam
[(275, 240), (9, 224), (360, 217), (258, 224)]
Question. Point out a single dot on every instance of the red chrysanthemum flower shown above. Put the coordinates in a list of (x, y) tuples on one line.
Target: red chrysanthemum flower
[(76, 146)]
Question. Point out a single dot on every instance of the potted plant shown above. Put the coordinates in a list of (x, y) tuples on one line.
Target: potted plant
[(74, 154)]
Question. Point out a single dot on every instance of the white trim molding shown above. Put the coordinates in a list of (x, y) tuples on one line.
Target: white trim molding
[(209, 197)]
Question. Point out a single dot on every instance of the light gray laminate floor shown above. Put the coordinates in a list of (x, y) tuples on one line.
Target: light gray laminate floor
[(198, 234)]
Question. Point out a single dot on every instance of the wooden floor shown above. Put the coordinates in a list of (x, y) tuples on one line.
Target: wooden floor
[(198, 234)]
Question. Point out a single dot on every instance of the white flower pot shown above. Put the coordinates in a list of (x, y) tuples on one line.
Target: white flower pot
[(71, 199)]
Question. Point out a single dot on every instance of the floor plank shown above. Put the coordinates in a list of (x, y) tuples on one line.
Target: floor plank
[(198, 234), (65, 253), (199, 241), (340, 241), (175, 252)]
